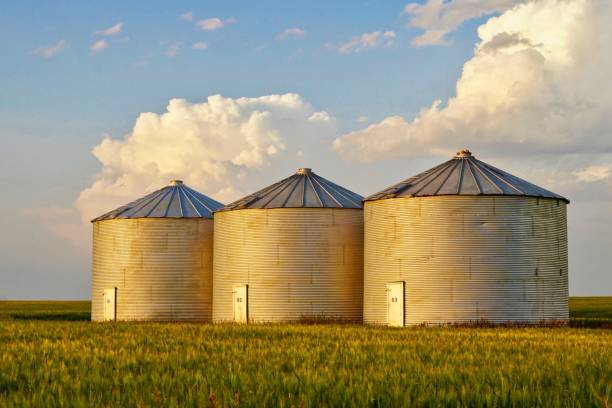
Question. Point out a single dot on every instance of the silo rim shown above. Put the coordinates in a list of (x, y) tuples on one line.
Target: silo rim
[(230, 210), (393, 197), (94, 221)]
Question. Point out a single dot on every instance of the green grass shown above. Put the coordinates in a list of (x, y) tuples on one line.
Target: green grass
[(591, 311), (45, 310), (51, 356)]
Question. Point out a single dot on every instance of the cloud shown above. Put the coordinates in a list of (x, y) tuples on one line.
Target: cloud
[(200, 45), (366, 41), (215, 23), (321, 116), (114, 30), (593, 173), (99, 46), (291, 32), (211, 145), (538, 83), (51, 50), (188, 16), (172, 50), (438, 18)]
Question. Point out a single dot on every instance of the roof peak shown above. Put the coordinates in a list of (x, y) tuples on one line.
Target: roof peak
[(302, 189), (175, 200), (464, 175), (463, 153)]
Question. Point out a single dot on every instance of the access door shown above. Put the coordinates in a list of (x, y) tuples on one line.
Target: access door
[(395, 304), (110, 304), (241, 304)]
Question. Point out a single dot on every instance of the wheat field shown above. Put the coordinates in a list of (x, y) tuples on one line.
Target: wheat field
[(51, 355)]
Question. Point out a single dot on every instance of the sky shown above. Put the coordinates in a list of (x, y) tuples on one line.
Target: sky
[(103, 102)]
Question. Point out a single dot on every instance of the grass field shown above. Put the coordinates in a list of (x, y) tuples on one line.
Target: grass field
[(50, 355)]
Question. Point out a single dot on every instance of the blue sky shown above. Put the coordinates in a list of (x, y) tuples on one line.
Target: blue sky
[(54, 110), (72, 99)]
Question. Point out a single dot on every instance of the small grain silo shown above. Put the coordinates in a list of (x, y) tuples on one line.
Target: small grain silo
[(465, 242), (152, 258), (290, 252)]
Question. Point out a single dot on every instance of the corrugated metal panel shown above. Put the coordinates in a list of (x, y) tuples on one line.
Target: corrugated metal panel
[(304, 189), (464, 175), (162, 268), (499, 259), (176, 200), (298, 263)]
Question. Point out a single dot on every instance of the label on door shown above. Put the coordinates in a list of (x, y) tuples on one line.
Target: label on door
[(110, 308), (395, 304), (241, 304)]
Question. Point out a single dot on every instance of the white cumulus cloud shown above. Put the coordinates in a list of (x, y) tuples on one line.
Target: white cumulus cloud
[(200, 45), (321, 116), (99, 46), (593, 173), (291, 32), (437, 18), (215, 23), (211, 145), (114, 30), (51, 50), (539, 82), (366, 41)]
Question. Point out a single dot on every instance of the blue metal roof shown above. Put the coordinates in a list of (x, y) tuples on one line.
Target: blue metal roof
[(176, 200), (304, 189), (464, 175)]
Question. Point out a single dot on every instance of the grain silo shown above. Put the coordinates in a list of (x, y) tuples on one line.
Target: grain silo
[(290, 252), (152, 258), (465, 242)]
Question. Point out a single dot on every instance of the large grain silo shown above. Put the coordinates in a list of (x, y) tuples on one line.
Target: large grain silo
[(465, 242), (152, 258), (290, 252)]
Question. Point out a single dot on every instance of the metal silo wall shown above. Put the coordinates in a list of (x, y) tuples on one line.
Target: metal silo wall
[(162, 268), (495, 259), (299, 263)]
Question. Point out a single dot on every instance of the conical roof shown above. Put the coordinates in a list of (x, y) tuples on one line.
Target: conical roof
[(176, 200), (464, 175), (304, 189)]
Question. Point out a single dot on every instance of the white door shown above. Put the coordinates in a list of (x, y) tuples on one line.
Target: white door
[(110, 298), (395, 304), (241, 304)]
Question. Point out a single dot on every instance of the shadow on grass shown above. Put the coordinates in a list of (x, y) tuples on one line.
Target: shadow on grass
[(68, 316)]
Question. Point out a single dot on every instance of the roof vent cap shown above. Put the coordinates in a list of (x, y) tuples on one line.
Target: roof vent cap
[(303, 170), (176, 182), (463, 153)]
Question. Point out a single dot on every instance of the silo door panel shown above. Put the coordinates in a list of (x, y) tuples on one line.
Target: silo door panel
[(395, 304), (241, 304), (110, 304)]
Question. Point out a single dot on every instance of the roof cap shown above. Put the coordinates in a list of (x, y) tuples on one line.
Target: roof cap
[(303, 189), (463, 153), (464, 175), (175, 200)]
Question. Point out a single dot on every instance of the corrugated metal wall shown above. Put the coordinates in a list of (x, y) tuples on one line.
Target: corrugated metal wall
[(162, 268), (499, 259), (299, 263)]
